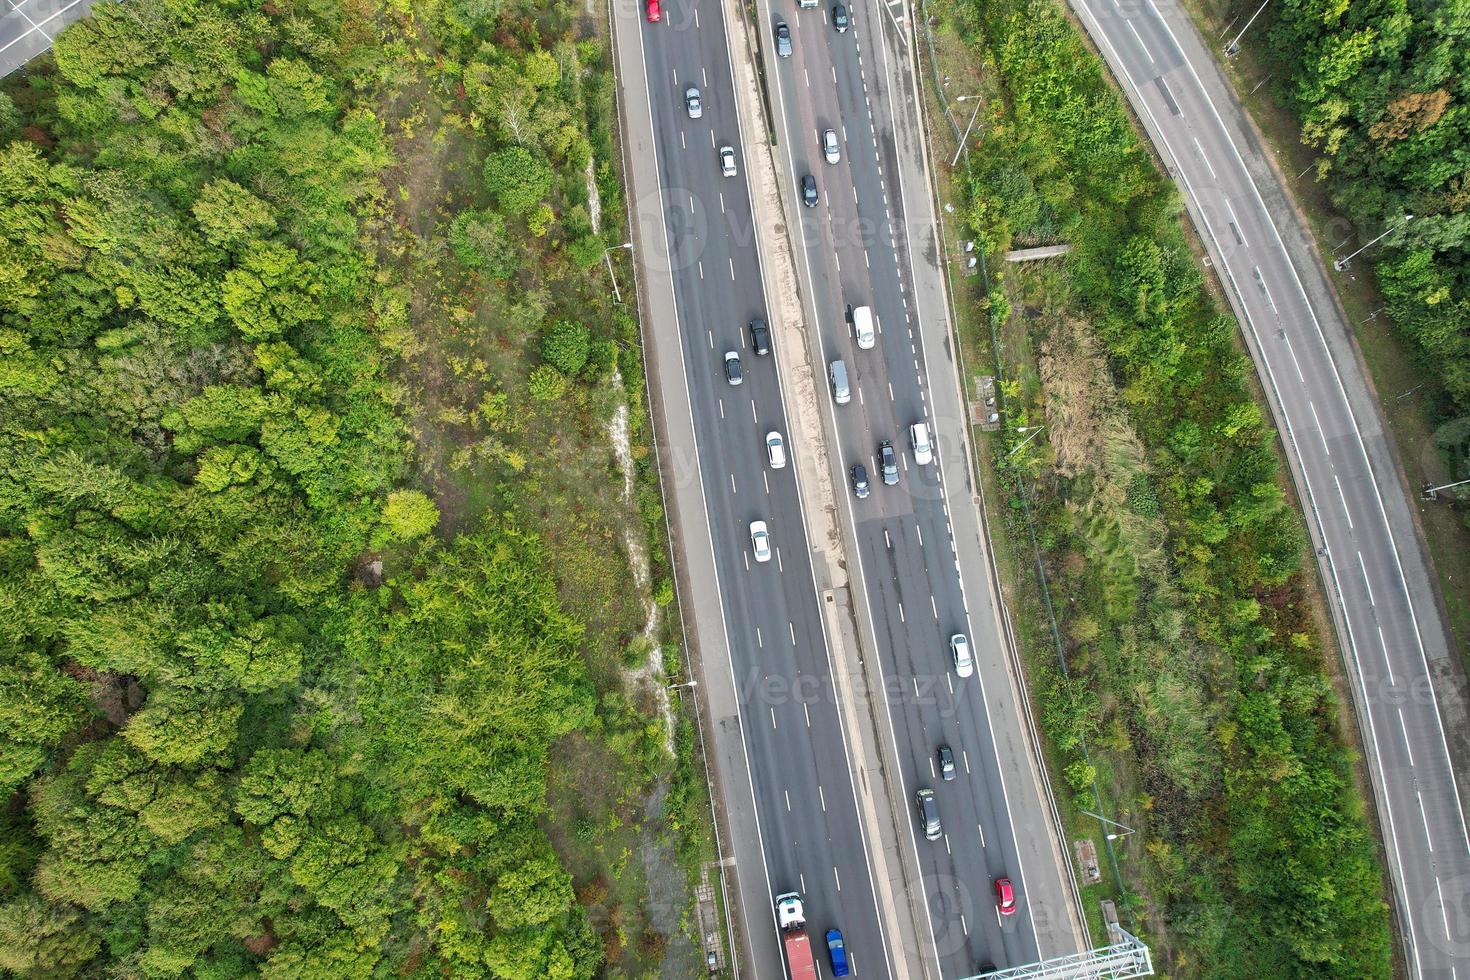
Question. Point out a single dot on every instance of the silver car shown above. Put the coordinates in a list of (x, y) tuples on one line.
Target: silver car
[(692, 102), (830, 150), (727, 161)]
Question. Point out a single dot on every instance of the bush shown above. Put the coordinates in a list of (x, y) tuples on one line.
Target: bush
[(565, 346), (547, 384), (517, 179)]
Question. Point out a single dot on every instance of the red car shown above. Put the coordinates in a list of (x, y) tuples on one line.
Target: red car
[(655, 14), (1005, 896)]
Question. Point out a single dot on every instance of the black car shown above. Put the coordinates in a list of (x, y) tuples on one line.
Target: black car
[(946, 763), (783, 40), (809, 191), (760, 337), (888, 461), (839, 18), (860, 481)]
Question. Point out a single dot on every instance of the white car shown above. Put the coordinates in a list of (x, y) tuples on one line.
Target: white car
[(776, 450), (862, 327), (693, 103), (964, 664), (830, 151), (760, 540), (919, 437), (727, 161)]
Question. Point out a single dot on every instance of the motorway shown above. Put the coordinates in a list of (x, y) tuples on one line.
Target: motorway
[(1398, 658), (853, 256), (811, 835)]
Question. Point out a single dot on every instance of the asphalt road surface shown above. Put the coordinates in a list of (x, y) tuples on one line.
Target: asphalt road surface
[(1398, 657), (854, 253), (810, 832)]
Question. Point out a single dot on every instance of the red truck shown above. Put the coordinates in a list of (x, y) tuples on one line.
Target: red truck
[(791, 917)]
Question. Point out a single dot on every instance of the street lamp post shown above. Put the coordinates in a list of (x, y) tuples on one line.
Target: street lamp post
[(1234, 45), (1342, 263), (617, 294), (966, 135), (1114, 823), (690, 684), (1035, 431)]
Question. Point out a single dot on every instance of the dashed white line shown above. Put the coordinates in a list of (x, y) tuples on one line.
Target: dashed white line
[(1292, 351), (758, 641), (900, 614), (1320, 434), (807, 711), (934, 606), (1425, 819), (773, 725), (1343, 498), (1408, 749), (1364, 569), (1205, 157), (823, 797), (1139, 39), (792, 628), (732, 484)]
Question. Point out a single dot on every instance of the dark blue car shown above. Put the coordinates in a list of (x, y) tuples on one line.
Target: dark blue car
[(837, 951)]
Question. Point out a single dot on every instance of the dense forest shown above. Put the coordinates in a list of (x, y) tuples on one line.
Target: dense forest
[(291, 628), (1382, 88), (1193, 668)]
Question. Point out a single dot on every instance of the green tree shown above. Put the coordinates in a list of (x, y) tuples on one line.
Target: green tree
[(517, 180), (229, 215), (407, 516)]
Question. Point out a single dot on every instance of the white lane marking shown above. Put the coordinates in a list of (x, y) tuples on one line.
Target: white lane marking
[(773, 721), (1320, 434), (1408, 749), (758, 640), (821, 795), (767, 481), (780, 565), (966, 756), (933, 773), (753, 417), (1364, 569), (901, 618), (963, 924), (1206, 158), (949, 679), (1443, 914), (981, 828), (703, 75), (887, 543), (711, 334), (721, 403), (722, 202), (807, 77), (921, 535), (1424, 817), (807, 711), (890, 392), (732, 269), (792, 628), (1139, 39), (946, 845), (1292, 351), (836, 877), (1343, 498), (732, 484), (934, 606), (1392, 681), (746, 556), (700, 263), (787, 794), (682, 145)]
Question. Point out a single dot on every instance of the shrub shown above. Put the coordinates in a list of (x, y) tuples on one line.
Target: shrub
[(565, 346)]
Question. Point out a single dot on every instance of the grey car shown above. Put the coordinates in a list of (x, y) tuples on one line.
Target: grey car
[(888, 462), (783, 40), (839, 18), (946, 763)]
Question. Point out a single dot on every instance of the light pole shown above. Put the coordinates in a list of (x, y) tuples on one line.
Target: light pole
[(1035, 431), (1432, 493), (966, 135), (616, 293), (675, 687), (1234, 45), (1111, 836), (1342, 263)]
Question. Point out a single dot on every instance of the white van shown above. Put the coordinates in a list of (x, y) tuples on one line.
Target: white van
[(837, 372), (862, 325)]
